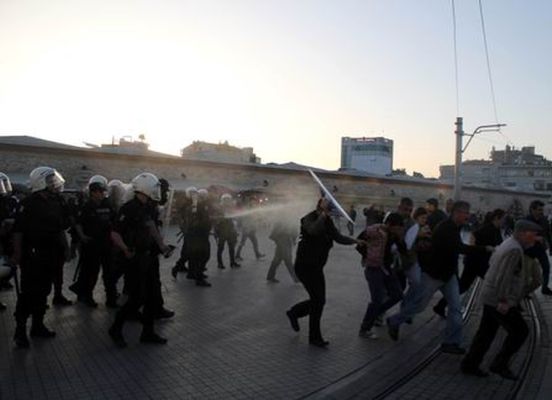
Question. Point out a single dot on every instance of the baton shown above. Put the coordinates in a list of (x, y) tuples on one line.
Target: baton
[(328, 194)]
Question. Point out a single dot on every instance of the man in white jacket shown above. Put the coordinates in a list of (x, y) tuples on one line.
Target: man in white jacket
[(512, 276)]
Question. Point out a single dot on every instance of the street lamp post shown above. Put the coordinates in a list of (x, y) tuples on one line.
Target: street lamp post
[(460, 149)]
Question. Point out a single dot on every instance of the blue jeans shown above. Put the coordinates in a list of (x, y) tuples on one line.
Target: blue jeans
[(385, 292), (414, 276), (418, 303)]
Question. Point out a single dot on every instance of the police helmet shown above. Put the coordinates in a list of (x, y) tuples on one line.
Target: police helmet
[(148, 184), (97, 182), (190, 191), (5, 184), (42, 178)]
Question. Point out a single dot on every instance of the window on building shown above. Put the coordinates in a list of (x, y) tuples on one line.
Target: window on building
[(549, 187), (510, 184), (539, 185)]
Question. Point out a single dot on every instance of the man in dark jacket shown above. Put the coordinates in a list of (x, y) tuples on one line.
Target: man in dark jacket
[(318, 233), (441, 273), (435, 215), (536, 215)]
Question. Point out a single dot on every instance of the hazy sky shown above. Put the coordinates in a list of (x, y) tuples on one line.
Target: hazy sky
[(287, 77)]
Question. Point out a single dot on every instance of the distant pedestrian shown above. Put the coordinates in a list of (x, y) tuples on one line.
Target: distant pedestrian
[(543, 244), (225, 231), (284, 234), (351, 225), (511, 277), (249, 224)]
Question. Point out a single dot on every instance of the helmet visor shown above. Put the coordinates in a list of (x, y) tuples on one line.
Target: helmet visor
[(55, 182), (7, 185)]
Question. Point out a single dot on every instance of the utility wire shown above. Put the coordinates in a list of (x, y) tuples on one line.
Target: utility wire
[(489, 71), (455, 58)]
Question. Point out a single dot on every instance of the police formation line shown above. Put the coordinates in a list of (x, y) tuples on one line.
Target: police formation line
[(407, 255)]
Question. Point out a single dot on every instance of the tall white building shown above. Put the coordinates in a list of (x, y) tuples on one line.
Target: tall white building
[(374, 155)]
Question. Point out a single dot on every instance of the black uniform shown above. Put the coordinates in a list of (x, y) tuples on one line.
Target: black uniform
[(96, 220), (225, 231), (180, 265), (284, 237), (133, 224), (41, 223), (249, 231), (196, 240), (318, 233)]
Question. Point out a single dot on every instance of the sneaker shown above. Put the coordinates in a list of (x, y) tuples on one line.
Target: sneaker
[(452, 348), (546, 291), (117, 337), (111, 304), (74, 288), (42, 332), (392, 330), (260, 256), (378, 321), (293, 321), (163, 313), (440, 312), (203, 283), (61, 301), (221, 266), (152, 338), (504, 372), (88, 301), (21, 340), (367, 334), (319, 343), (235, 265), (473, 371)]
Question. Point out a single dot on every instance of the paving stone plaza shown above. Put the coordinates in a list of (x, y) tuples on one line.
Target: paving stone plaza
[(233, 341)]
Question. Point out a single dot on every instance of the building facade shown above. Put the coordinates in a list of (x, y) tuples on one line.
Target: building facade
[(510, 168), (221, 152), (373, 155)]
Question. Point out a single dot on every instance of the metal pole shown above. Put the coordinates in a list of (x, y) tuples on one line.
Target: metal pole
[(459, 132)]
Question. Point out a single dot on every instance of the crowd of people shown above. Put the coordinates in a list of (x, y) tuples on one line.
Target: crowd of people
[(407, 255)]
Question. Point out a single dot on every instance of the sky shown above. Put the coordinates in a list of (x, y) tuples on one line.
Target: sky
[(286, 77)]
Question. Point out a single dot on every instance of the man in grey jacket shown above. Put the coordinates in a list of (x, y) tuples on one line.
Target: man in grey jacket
[(512, 276)]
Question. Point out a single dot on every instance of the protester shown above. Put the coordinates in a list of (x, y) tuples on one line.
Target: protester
[(511, 277)]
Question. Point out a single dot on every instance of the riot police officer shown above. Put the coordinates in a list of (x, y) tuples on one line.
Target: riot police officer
[(225, 232), (136, 234), (94, 223), (6, 224), (196, 237), (40, 245)]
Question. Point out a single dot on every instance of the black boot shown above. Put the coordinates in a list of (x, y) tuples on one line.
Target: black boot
[(39, 330), (20, 338), (149, 336), (116, 334)]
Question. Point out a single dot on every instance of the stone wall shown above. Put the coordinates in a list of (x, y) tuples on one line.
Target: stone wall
[(78, 165)]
